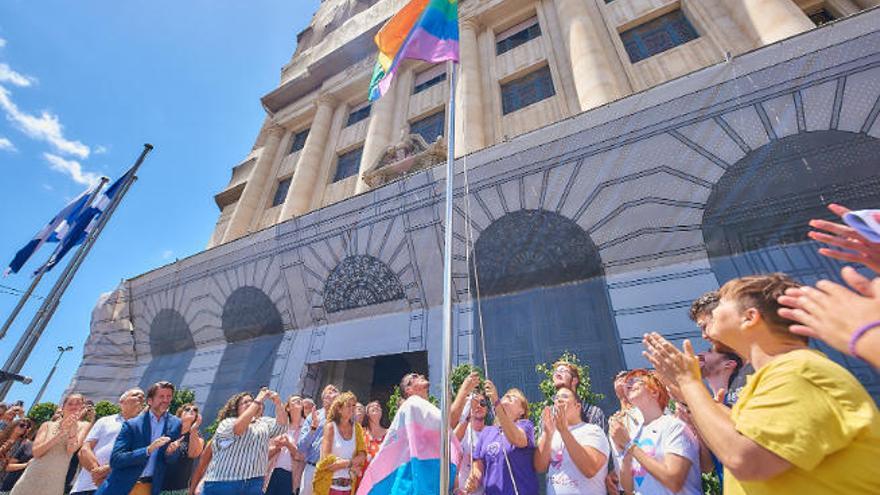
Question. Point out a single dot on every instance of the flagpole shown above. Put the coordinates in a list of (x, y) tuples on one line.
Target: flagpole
[(24, 347), (21, 301), (447, 287)]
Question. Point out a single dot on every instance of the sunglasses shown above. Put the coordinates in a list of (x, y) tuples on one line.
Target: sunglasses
[(191, 409), (483, 402), (26, 426), (633, 381)]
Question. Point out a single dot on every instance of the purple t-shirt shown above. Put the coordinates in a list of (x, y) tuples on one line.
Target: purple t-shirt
[(496, 478)]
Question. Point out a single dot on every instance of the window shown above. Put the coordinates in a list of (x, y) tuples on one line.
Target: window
[(517, 35), (299, 140), (281, 192), (358, 114), (657, 36), (821, 16), (428, 78), (430, 127), (526, 90), (348, 164)]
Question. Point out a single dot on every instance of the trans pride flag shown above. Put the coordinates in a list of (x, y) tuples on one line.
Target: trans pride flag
[(424, 30), (408, 462)]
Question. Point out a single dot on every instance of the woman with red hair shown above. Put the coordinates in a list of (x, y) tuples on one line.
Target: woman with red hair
[(662, 456)]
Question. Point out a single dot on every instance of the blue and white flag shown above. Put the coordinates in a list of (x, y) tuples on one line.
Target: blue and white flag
[(85, 223), (54, 231)]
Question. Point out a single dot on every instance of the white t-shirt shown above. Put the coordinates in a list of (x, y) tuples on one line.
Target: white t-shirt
[(667, 435), (634, 420), (103, 433), (468, 443), (563, 476)]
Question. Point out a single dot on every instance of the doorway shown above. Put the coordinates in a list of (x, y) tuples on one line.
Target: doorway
[(371, 378)]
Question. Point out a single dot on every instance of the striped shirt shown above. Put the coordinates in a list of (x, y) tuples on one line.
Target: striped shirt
[(242, 457)]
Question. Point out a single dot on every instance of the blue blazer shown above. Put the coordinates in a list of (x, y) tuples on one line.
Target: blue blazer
[(129, 457)]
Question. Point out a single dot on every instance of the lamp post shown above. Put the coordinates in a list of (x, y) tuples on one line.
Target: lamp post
[(61, 351)]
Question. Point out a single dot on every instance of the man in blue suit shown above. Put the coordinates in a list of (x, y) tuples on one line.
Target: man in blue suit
[(144, 447)]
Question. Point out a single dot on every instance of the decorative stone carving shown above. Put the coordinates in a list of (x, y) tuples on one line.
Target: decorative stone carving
[(359, 281), (411, 154)]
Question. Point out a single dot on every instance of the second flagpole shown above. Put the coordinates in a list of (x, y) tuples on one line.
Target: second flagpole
[(15, 361)]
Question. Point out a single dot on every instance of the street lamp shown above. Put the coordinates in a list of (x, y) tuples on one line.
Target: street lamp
[(61, 351)]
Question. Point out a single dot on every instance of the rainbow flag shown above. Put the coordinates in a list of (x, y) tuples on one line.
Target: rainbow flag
[(408, 462), (424, 30)]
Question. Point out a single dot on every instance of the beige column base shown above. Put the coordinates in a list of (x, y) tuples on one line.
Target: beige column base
[(308, 167), (378, 134), (769, 21), (248, 207), (469, 128), (592, 69)]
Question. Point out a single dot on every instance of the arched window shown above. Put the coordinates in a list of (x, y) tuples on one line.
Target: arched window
[(756, 216), (171, 347), (542, 292), (359, 281), (253, 329)]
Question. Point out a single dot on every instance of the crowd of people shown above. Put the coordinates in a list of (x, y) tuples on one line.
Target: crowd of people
[(760, 408)]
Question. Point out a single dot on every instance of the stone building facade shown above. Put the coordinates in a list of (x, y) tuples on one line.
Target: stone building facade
[(524, 64), (615, 160)]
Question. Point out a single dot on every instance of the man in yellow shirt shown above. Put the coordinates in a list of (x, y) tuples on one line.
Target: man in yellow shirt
[(802, 424)]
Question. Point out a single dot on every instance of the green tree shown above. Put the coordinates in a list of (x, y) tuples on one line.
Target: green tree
[(460, 372), (711, 484), (181, 396), (397, 398), (584, 389), (106, 408), (212, 428), (42, 412)]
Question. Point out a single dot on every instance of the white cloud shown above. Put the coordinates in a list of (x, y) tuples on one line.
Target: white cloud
[(48, 187), (71, 168), (6, 145), (100, 150), (167, 254), (46, 127), (2, 42), (8, 75)]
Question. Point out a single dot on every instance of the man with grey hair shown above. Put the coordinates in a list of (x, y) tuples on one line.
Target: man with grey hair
[(94, 456)]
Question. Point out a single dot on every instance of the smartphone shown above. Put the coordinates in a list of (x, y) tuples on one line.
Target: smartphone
[(19, 403)]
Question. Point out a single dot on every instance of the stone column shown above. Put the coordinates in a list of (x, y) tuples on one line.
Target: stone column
[(308, 167), (867, 4), (769, 20), (249, 208), (469, 131), (592, 69), (842, 8), (720, 26), (378, 134), (402, 99)]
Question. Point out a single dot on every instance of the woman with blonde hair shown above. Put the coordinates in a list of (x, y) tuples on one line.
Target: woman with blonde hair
[(54, 446), (503, 457), (342, 450)]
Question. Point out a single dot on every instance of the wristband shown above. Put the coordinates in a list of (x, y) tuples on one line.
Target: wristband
[(858, 334), (632, 443)]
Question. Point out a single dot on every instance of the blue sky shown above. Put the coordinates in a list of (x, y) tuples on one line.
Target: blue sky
[(82, 86)]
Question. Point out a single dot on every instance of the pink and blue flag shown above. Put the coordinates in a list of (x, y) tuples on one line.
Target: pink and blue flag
[(423, 30), (408, 462)]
